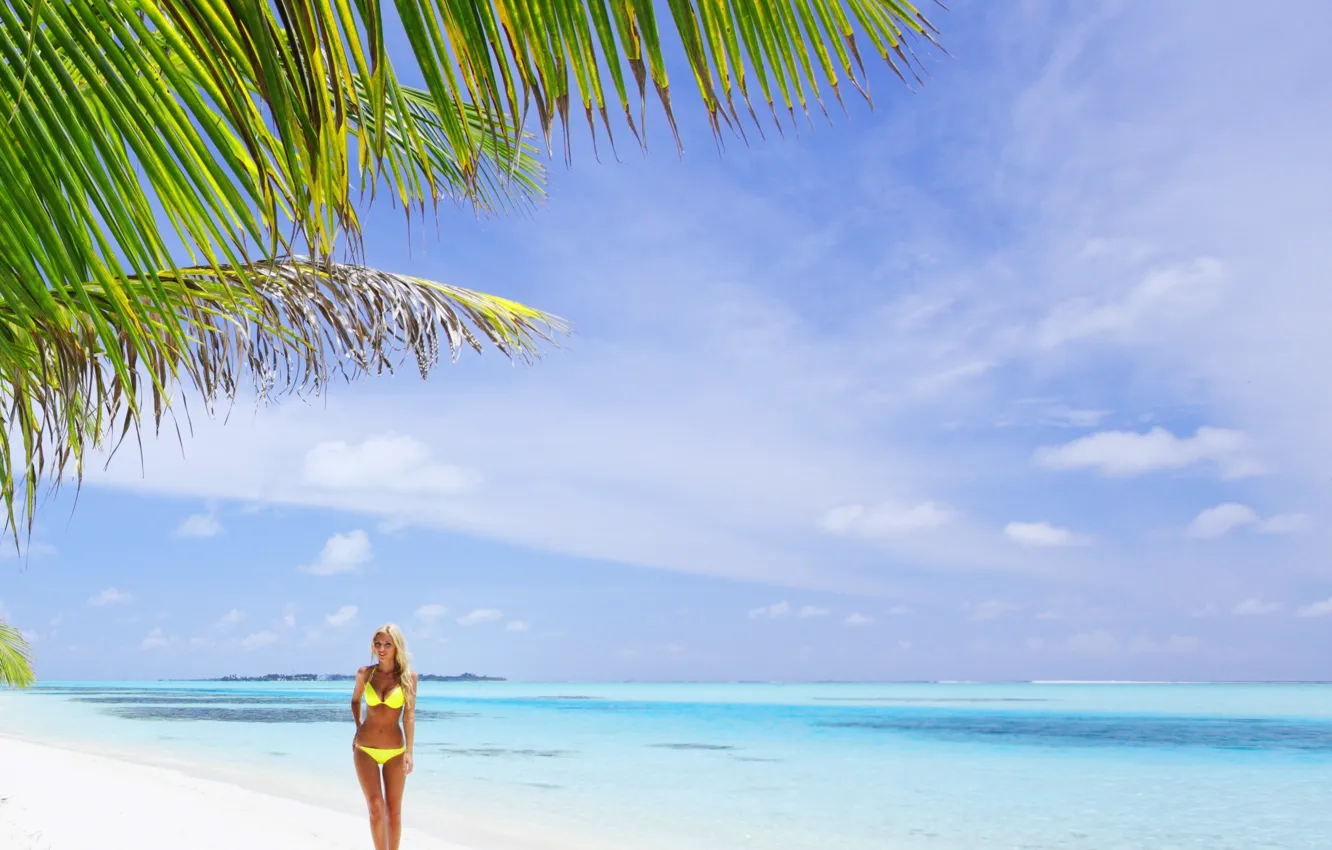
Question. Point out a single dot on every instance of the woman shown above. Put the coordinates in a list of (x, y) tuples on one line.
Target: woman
[(382, 749)]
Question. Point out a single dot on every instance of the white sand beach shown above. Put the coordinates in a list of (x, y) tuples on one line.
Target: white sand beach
[(58, 799)]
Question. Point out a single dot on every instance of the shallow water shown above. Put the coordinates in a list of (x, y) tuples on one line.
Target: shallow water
[(788, 767)]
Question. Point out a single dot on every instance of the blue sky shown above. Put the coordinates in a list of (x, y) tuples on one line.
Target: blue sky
[(1016, 376)]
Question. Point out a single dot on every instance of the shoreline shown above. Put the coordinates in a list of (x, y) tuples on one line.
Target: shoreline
[(53, 798)]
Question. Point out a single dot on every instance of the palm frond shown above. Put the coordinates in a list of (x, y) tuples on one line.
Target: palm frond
[(300, 324), (227, 127), (505, 54), (15, 658)]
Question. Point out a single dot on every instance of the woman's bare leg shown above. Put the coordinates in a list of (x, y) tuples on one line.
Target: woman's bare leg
[(395, 777), (367, 770)]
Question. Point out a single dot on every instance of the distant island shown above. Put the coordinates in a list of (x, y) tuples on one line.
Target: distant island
[(342, 677)]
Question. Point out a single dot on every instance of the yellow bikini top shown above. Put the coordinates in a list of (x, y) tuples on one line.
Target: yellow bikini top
[(395, 698)]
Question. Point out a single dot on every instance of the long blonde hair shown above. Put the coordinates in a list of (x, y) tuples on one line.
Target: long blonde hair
[(401, 657)]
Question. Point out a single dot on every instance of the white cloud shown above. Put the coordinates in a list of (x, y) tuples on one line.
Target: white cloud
[(989, 609), (1221, 520), (1256, 607), (888, 519), (1317, 609), (231, 618), (431, 613), (858, 620), (258, 639), (517, 626), (29, 636), (480, 615), (344, 552), (1284, 524), (808, 611), (770, 612), (1171, 289), (341, 617), (110, 596), (289, 615), (1043, 534), (386, 463), (200, 525), (157, 639), (1128, 453)]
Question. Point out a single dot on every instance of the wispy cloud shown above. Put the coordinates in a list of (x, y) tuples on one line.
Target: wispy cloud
[(1128, 453), (1172, 289), (201, 525), (888, 519), (1317, 609), (809, 611), (432, 612), (231, 618), (857, 620), (110, 596), (989, 609), (1284, 524), (341, 617), (770, 612), (1043, 534), (1221, 520), (345, 552), (1256, 607), (157, 639), (479, 616), (517, 626), (258, 640), (386, 463)]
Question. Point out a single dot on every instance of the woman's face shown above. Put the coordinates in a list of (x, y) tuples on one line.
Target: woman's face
[(384, 649)]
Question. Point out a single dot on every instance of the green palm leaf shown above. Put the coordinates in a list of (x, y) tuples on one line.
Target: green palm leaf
[(15, 658), (162, 163), (295, 326)]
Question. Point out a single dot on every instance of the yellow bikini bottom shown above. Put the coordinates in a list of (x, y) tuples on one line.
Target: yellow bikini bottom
[(382, 756)]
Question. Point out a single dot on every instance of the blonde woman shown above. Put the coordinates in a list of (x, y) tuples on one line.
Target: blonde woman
[(382, 748)]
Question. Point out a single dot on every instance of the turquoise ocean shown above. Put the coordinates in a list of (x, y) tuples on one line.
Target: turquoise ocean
[(1059, 766)]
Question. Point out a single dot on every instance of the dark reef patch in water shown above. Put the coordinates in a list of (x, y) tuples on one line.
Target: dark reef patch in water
[(498, 752), (1061, 730), (930, 700), (295, 714), (211, 699), (708, 747)]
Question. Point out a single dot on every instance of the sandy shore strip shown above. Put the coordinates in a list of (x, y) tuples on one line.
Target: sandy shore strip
[(57, 799)]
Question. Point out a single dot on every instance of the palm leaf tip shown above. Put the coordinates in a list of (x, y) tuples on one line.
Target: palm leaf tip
[(290, 325), (311, 319), (15, 658)]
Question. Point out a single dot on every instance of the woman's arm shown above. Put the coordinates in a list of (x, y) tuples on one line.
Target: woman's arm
[(409, 723), (357, 690)]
